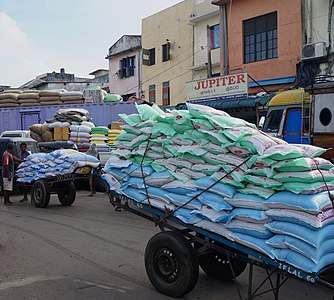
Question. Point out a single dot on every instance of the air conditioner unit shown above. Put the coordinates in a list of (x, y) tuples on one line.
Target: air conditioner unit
[(313, 51)]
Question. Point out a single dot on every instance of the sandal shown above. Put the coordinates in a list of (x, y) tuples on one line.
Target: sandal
[(117, 208)]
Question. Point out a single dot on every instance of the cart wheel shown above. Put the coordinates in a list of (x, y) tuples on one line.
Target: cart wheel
[(216, 264), (67, 197), (171, 264), (40, 194)]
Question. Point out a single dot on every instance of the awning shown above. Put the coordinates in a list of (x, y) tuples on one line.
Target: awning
[(226, 104)]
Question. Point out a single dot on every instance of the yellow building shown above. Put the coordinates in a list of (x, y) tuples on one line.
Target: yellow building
[(175, 49)]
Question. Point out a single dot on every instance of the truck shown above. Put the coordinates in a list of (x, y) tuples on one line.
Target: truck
[(303, 116), (102, 114)]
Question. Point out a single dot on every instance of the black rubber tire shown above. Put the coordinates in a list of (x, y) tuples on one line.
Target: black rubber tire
[(40, 194), (216, 265), (171, 264), (67, 197)]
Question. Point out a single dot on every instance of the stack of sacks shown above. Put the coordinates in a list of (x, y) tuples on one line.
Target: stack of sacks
[(71, 115), (186, 152), (99, 136), (72, 97), (9, 98), (29, 98), (303, 226), (57, 163), (61, 130), (41, 133), (112, 134), (50, 97), (80, 134)]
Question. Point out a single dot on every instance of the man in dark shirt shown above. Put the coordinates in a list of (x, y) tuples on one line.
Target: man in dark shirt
[(24, 153), (8, 172)]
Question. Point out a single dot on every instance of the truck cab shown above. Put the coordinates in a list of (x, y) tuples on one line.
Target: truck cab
[(302, 117)]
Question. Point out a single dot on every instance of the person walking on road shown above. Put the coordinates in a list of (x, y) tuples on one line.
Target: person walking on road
[(23, 154), (8, 172), (94, 173)]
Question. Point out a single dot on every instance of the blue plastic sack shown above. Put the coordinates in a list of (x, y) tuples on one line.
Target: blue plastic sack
[(213, 200), (252, 242), (180, 200), (301, 262), (133, 193), (309, 203), (248, 215), (118, 174), (186, 216), (156, 193), (135, 170), (313, 237), (219, 188), (288, 242), (134, 182), (179, 187), (247, 201), (210, 214), (252, 229)]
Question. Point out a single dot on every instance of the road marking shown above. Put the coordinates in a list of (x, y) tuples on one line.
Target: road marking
[(100, 286), (25, 281)]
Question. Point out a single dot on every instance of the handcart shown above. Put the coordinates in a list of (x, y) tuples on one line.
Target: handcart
[(173, 257), (42, 189)]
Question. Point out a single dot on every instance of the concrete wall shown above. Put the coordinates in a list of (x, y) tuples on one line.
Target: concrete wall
[(126, 85), (289, 37), (316, 12), (171, 24)]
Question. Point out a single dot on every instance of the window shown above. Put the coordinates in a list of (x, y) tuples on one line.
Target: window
[(151, 93), (260, 38), (214, 32), (127, 67), (165, 52), (165, 93), (149, 57), (274, 121)]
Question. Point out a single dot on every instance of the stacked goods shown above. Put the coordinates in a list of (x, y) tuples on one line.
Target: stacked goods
[(99, 136), (57, 163), (60, 130), (41, 133), (112, 98), (71, 115), (221, 174), (50, 97), (9, 98), (72, 97), (80, 134), (112, 134), (28, 98)]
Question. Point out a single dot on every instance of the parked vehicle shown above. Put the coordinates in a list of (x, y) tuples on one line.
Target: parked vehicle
[(16, 133), (173, 256), (303, 117)]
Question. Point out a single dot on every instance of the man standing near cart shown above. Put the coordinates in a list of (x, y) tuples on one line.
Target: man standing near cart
[(24, 153), (8, 172)]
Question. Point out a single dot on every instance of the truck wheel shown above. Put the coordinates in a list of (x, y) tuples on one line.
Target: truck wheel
[(40, 194), (216, 264), (171, 264), (67, 197)]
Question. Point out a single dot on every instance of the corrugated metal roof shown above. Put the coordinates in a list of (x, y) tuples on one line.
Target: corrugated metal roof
[(225, 104)]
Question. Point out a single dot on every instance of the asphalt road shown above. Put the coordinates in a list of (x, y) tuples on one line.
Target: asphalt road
[(89, 251)]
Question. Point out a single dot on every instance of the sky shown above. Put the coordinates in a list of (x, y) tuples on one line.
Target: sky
[(41, 36)]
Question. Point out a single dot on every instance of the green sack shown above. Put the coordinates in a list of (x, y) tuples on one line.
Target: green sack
[(146, 112), (132, 119)]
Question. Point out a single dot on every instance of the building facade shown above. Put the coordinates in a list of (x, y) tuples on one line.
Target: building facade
[(167, 54), (125, 67), (263, 39)]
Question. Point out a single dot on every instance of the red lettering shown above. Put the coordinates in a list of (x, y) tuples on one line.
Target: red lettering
[(223, 80), (231, 80), (212, 82), (241, 78), (204, 84), (217, 82), (198, 85)]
